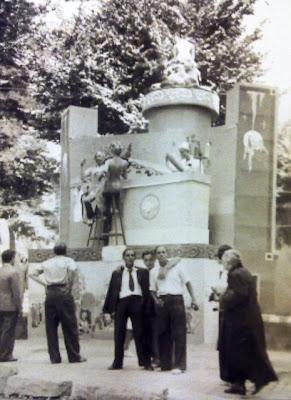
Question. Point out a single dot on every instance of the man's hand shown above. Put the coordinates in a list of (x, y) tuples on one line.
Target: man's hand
[(218, 290), (107, 318), (194, 305), (159, 302)]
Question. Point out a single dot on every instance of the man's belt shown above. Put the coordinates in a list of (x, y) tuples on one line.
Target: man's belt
[(56, 285)]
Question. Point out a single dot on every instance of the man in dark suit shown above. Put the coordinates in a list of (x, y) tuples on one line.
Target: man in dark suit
[(10, 305), (128, 297)]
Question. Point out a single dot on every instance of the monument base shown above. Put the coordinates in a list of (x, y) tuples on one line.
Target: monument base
[(197, 261)]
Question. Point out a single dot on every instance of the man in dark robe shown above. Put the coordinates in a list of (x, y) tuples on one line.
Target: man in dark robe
[(242, 337)]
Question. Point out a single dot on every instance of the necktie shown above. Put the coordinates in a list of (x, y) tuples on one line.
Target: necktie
[(131, 282)]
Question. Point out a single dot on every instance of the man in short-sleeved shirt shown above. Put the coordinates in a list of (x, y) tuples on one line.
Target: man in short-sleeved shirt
[(10, 304), (60, 277), (174, 284), (169, 287)]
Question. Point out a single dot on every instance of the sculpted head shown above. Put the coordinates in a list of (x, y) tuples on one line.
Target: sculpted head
[(184, 149), (99, 157), (116, 148)]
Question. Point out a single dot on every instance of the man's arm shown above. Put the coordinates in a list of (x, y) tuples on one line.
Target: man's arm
[(16, 291), (172, 263), (157, 300), (75, 284), (35, 276), (193, 299), (108, 303)]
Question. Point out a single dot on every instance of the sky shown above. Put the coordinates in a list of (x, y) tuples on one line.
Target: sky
[(274, 44)]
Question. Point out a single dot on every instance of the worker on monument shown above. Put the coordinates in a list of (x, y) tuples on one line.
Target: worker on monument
[(116, 170)]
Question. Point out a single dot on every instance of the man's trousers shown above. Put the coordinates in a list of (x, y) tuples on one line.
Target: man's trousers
[(60, 308), (8, 322), (129, 307), (172, 333), (150, 337)]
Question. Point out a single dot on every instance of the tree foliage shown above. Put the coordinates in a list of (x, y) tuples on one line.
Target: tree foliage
[(26, 172), (111, 57)]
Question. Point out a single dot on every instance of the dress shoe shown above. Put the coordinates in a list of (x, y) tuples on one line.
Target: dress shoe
[(10, 359), (156, 363), (81, 359), (258, 387), (113, 367), (236, 389), (177, 371), (56, 362), (149, 368)]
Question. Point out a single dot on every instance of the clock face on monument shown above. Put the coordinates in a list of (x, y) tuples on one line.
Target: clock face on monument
[(149, 206)]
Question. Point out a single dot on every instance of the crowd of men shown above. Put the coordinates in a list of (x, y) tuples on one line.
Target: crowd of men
[(151, 297), (153, 300)]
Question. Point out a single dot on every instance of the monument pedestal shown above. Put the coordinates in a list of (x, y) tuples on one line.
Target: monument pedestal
[(166, 209)]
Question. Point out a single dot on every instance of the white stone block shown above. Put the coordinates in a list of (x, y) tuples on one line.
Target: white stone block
[(37, 387), (168, 209)]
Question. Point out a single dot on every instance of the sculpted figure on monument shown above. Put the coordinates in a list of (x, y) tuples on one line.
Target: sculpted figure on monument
[(92, 186), (181, 69), (116, 170), (185, 161)]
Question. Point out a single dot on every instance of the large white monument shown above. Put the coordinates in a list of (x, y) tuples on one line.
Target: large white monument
[(188, 184), (165, 196)]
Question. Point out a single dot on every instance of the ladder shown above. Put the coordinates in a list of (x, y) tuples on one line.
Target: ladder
[(97, 233)]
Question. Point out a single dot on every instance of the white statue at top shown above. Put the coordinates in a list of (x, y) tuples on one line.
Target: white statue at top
[(184, 52), (181, 69)]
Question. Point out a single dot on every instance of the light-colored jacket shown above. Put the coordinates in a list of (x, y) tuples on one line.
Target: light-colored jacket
[(10, 291)]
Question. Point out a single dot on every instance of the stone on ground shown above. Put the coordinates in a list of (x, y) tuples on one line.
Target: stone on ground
[(37, 387), (5, 373)]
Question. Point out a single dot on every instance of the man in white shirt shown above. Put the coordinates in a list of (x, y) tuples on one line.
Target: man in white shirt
[(10, 304), (127, 297), (169, 287), (60, 277)]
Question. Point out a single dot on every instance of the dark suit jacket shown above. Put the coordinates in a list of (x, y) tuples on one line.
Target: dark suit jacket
[(10, 290), (114, 288)]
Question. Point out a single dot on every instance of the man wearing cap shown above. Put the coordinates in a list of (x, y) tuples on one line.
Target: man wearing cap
[(60, 277)]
